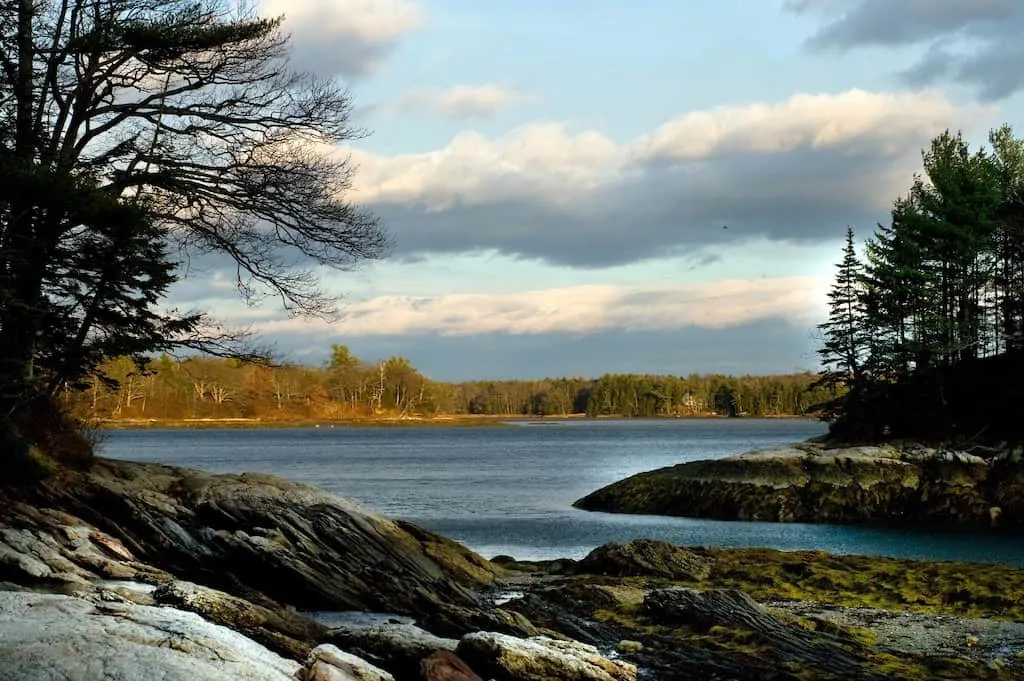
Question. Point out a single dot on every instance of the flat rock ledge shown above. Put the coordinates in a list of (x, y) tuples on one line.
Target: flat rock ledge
[(814, 482), (45, 637)]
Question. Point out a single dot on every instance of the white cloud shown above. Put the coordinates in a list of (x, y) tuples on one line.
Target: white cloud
[(792, 170), (542, 159), (463, 102), (350, 37), (546, 160), (577, 309), (803, 121)]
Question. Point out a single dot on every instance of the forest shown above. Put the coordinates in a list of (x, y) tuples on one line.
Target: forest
[(926, 323), (202, 387)]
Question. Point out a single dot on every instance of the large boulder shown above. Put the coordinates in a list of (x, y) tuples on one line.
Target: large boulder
[(46, 636), (327, 663), (645, 558), (399, 648), (814, 483), (256, 536), (507, 658)]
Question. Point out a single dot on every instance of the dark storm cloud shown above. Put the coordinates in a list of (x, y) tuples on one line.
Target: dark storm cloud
[(798, 196), (794, 170), (988, 32)]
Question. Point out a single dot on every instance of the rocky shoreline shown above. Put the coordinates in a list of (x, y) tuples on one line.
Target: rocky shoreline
[(127, 571), (817, 482)]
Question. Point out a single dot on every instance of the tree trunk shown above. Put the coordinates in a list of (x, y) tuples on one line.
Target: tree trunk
[(22, 275)]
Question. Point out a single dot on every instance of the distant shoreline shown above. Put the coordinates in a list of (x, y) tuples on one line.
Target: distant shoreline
[(462, 420)]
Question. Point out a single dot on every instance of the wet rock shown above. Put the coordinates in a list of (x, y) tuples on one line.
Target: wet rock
[(327, 663), (629, 647), (446, 666), (556, 566), (455, 621), (506, 658), (645, 558), (554, 610), (398, 648), (46, 637)]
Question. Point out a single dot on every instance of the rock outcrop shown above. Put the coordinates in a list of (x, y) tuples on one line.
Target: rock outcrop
[(735, 611), (255, 536), (645, 558), (811, 482), (506, 658), (398, 648)]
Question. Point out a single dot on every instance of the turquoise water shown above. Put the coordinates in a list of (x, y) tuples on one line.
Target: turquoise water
[(509, 490)]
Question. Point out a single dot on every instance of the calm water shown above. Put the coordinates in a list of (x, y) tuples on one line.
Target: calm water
[(509, 490)]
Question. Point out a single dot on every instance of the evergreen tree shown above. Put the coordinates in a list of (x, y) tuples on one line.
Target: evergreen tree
[(845, 334), (1007, 291), (941, 290)]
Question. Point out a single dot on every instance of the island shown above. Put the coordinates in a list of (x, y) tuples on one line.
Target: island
[(890, 484)]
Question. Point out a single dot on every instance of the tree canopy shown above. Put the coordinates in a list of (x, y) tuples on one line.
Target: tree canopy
[(134, 136), (928, 330)]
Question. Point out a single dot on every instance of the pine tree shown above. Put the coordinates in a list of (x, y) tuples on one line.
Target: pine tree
[(845, 334), (897, 296), (1008, 282)]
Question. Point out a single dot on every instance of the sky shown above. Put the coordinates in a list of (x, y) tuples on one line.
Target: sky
[(590, 186)]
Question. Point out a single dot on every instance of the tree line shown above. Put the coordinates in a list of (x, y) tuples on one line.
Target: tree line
[(926, 323), (203, 387)]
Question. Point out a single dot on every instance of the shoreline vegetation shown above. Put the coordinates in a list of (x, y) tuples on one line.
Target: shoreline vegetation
[(347, 389), (440, 420)]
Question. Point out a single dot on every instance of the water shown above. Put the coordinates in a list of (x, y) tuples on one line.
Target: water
[(509, 490)]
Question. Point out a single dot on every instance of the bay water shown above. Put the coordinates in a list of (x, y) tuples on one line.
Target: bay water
[(509, 489)]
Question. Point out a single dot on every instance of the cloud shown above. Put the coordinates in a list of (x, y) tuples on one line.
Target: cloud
[(463, 102), (796, 170), (346, 37), (578, 310), (802, 122), (975, 42)]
